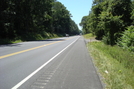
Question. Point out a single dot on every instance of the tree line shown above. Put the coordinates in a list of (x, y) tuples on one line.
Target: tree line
[(29, 19), (111, 21)]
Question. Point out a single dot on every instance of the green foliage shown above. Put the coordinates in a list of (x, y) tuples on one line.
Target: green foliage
[(84, 24), (88, 36), (22, 19), (28, 19), (62, 22), (132, 13), (108, 19), (112, 27), (127, 39), (123, 56), (115, 65)]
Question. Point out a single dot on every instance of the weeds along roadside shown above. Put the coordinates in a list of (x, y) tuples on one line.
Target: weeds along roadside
[(114, 64), (30, 38)]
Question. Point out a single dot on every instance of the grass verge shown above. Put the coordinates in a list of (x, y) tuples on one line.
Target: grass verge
[(114, 64), (89, 36)]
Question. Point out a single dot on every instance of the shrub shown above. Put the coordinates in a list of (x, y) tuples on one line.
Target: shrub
[(127, 39)]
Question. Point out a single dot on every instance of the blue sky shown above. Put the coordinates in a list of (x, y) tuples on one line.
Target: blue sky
[(78, 8)]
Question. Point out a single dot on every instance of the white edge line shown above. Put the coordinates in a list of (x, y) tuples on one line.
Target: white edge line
[(29, 76)]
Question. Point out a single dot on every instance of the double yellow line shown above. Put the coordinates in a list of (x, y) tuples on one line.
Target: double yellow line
[(8, 55)]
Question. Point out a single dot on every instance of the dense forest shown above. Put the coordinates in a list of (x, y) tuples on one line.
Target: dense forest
[(32, 19), (112, 21)]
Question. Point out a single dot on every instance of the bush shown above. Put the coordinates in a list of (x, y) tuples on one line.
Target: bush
[(127, 39)]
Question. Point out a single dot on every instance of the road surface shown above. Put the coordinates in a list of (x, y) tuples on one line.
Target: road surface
[(61, 63)]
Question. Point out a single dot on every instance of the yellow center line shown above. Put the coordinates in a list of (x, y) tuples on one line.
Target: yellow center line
[(8, 55)]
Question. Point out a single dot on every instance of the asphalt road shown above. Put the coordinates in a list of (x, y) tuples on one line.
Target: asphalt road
[(62, 63)]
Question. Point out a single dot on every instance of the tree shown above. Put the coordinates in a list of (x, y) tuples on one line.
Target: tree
[(62, 22), (84, 24), (74, 28), (31, 19), (132, 13), (7, 16), (127, 37), (25, 19), (108, 19)]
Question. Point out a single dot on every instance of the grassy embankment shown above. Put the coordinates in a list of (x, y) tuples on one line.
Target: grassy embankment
[(88, 36), (114, 64), (30, 38)]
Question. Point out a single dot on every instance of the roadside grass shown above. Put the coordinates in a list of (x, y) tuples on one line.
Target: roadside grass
[(89, 36), (115, 65), (16, 41)]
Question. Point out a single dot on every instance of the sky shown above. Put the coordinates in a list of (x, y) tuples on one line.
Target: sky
[(77, 8)]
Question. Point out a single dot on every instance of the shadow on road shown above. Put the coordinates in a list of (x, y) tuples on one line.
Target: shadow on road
[(10, 45), (18, 44)]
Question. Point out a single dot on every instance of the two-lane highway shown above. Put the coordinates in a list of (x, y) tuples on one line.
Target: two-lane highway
[(61, 63)]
